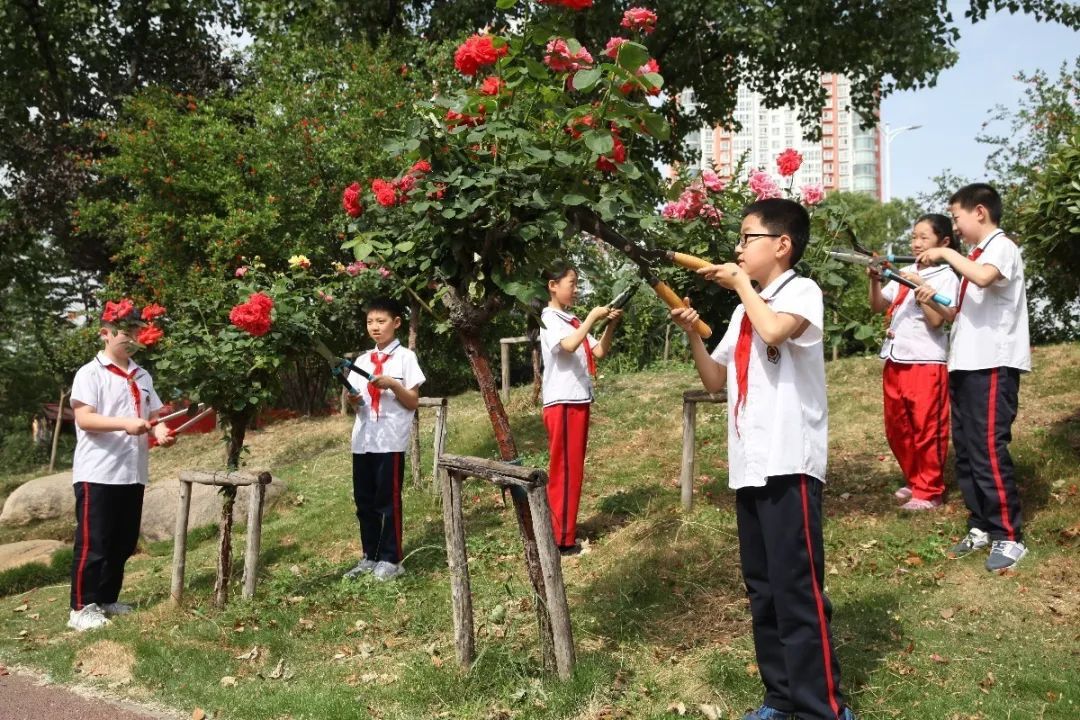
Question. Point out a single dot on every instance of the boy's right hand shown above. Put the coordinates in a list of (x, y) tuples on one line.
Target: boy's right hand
[(874, 273), (136, 426), (685, 317)]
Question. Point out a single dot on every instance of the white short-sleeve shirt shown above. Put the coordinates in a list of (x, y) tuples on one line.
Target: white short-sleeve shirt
[(566, 375), (112, 458), (991, 329), (910, 338), (784, 427), (390, 431)]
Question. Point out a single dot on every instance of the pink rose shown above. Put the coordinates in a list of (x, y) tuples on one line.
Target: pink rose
[(640, 19), (811, 194), (560, 59), (762, 185), (241, 271), (711, 181), (613, 45)]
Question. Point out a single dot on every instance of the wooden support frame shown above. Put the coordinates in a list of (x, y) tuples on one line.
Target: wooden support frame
[(527, 488), (504, 363), (230, 481), (688, 468), (442, 410)]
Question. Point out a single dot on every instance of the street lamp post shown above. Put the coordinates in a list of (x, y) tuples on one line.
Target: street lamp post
[(887, 135)]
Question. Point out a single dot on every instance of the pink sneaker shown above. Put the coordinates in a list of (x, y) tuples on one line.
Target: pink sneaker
[(917, 504), (903, 494)]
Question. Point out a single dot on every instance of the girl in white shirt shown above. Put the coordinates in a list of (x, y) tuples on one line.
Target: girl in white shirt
[(568, 353), (915, 379)]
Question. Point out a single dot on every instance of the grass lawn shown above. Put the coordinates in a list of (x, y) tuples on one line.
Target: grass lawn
[(659, 612)]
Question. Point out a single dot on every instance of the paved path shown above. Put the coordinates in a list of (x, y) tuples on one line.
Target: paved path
[(24, 697)]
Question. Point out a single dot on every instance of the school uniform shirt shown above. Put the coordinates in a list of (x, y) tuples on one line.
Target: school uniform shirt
[(783, 429), (390, 430), (112, 458), (566, 375), (910, 338), (991, 328)]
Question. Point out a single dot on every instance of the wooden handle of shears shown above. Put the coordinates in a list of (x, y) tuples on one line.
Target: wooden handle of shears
[(672, 300), (690, 262)]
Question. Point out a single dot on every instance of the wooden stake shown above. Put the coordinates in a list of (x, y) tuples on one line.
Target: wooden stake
[(224, 563), (56, 430), (458, 560), (180, 543), (254, 538)]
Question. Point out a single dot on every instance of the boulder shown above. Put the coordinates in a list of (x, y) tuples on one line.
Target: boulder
[(28, 551), (162, 499), (43, 498)]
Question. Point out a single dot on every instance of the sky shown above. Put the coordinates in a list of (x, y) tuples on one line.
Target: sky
[(952, 113)]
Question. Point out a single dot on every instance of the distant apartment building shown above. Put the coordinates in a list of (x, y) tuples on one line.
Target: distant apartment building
[(846, 158)]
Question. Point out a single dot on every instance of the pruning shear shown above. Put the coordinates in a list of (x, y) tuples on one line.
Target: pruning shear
[(641, 257), (340, 367), (881, 264), (618, 304), (190, 411), (203, 413)]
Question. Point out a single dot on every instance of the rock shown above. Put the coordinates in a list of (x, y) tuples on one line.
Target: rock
[(162, 499), (43, 498), (28, 551)]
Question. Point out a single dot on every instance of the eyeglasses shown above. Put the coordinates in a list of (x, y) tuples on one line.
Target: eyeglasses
[(745, 238)]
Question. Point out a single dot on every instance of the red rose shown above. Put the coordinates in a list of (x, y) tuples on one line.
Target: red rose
[(253, 317), (618, 155), (475, 53), (149, 335), (404, 184), (492, 85), (613, 45), (152, 312), (576, 127), (350, 200), (116, 311), (453, 118), (638, 18), (261, 302), (385, 192), (788, 162), (420, 167)]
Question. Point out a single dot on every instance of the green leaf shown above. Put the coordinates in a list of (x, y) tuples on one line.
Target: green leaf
[(599, 141), (655, 80), (538, 153), (632, 55), (585, 80), (574, 199), (363, 250), (656, 125), (505, 4), (405, 246)]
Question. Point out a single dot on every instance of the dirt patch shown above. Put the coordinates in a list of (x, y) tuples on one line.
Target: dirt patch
[(107, 660)]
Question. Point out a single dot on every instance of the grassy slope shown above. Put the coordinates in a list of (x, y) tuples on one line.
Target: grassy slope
[(657, 604)]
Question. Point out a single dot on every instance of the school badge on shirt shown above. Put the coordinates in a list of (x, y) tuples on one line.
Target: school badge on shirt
[(772, 354)]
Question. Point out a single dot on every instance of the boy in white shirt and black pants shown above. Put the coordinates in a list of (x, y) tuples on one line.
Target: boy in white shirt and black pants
[(114, 403), (379, 438), (772, 362), (989, 349)]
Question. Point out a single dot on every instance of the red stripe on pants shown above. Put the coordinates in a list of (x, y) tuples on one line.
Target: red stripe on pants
[(397, 503), (916, 405), (819, 601), (85, 547), (991, 450), (568, 434)]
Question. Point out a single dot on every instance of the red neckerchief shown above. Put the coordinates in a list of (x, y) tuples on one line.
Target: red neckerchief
[(742, 355), (132, 386), (377, 360), (901, 293), (974, 256), (589, 359)]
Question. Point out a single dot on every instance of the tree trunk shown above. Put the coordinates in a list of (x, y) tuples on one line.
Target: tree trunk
[(238, 423), (500, 423)]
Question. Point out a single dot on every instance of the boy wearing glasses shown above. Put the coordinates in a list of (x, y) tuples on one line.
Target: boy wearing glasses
[(772, 362)]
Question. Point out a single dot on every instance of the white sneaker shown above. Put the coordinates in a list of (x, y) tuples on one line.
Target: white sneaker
[(89, 618), (976, 539), (1004, 554), (116, 608), (362, 567), (387, 570)]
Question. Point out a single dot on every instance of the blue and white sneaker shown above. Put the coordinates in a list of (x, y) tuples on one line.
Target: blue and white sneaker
[(1004, 554)]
